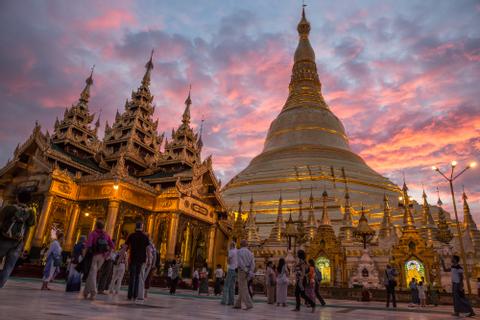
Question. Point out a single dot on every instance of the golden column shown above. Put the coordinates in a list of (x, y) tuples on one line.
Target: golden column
[(172, 235), (71, 227), (42, 221), (150, 225), (211, 247), (112, 213)]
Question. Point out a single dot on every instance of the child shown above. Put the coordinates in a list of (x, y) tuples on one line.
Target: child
[(421, 294)]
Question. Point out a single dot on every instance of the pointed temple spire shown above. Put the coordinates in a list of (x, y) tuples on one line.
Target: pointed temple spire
[(300, 223), (311, 221), (85, 95), (408, 222), (238, 227), (251, 232), (200, 134), (387, 229), (305, 86), (428, 228), (149, 67), (325, 219), (186, 113), (278, 230), (444, 234), (468, 222), (346, 230)]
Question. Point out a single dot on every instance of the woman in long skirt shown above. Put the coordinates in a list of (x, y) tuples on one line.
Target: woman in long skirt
[(54, 259), (270, 282), (74, 280), (461, 304), (282, 283), (203, 280), (119, 267)]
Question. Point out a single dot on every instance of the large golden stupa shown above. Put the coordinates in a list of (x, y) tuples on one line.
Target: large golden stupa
[(306, 149)]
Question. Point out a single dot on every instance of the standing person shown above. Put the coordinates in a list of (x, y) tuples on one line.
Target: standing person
[(54, 259), (174, 277), (461, 304), (229, 287), (282, 282), (301, 280), (310, 286), (169, 275), (218, 280), (246, 268), (317, 280), (99, 245), (204, 280), (144, 270), (15, 222), (153, 265), (195, 280), (390, 284), (137, 244), (106, 272), (74, 280), (270, 282), (414, 292), (422, 294), (119, 267)]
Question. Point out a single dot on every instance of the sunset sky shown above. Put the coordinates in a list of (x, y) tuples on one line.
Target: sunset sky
[(403, 76)]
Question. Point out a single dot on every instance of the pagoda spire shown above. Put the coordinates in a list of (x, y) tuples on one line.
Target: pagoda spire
[(238, 227), (468, 222), (252, 236), (300, 222), (186, 113), (85, 94), (428, 229), (305, 86), (471, 231), (386, 228), (346, 230), (148, 71), (408, 221), (311, 221), (278, 230), (325, 219), (444, 234)]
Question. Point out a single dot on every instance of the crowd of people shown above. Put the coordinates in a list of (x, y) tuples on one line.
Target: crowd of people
[(95, 261)]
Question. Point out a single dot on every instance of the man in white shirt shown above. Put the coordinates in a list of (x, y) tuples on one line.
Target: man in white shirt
[(229, 286), (246, 268)]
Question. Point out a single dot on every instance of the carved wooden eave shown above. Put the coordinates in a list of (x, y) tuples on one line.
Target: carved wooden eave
[(36, 137)]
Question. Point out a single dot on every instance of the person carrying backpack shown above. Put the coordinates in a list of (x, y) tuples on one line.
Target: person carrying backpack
[(15, 222), (98, 246)]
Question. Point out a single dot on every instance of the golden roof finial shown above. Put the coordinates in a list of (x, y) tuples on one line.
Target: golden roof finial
[(85, 95), (149, 67), (186, 113)]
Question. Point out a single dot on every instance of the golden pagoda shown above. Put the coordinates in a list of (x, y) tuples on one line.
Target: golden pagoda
[(306, 146)]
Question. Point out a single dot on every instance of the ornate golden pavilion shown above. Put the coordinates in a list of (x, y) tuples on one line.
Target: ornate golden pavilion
[(307, 152), (76, 178)]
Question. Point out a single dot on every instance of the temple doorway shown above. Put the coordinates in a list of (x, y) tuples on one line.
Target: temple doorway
[(323, 264), (414, 269)]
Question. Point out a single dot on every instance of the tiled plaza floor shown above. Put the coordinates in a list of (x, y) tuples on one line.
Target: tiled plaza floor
[(22, 299)]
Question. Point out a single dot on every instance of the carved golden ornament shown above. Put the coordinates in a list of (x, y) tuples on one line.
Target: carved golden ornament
[(199, 209), (64, 188), (307, 128), (106, 191)]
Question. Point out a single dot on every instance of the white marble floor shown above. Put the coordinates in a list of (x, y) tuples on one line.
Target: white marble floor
[(22, 299)]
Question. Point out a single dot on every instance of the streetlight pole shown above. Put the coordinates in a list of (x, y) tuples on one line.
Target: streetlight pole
[(459, 229)]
